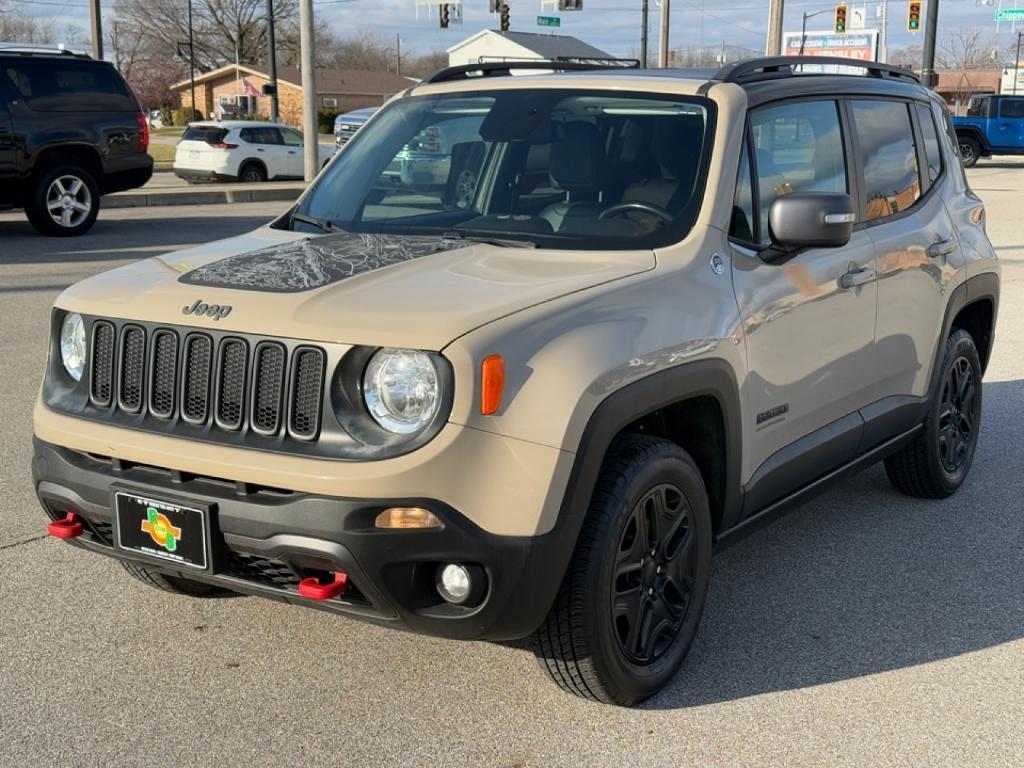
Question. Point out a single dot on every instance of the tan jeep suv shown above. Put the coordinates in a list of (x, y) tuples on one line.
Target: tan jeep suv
[(646, 313)]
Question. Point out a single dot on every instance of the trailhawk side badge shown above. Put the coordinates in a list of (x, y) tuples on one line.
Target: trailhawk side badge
[(216, 311)]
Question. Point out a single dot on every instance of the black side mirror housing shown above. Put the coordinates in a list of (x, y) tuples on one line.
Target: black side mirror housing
[(802, 220)]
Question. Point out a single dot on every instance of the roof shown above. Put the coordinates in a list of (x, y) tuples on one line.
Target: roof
[(235, 124), (341, 81), (545, 46), (969, 80)]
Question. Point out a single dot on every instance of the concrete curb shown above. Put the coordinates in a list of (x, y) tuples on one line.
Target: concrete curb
[(212, 196)]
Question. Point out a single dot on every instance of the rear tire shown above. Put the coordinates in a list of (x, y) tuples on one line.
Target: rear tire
[(633, 595), (969, 150), (935, 464), (176, 584), (252, 173), (63, 201)]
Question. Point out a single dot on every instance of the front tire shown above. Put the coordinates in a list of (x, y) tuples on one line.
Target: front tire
[(969, 150), (64, 201), (935, 464), (633, 595), (151, 577)]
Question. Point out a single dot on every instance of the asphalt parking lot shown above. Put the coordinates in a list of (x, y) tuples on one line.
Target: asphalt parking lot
[(864, 629)]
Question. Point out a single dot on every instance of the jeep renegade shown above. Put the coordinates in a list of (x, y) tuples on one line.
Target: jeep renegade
[(646, 313)]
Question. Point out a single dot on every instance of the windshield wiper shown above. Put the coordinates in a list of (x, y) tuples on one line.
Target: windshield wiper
[(322, 224), (502, 242)]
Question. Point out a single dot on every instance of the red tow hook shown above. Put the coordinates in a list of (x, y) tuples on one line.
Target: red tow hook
[(316, 589), (66, 528)]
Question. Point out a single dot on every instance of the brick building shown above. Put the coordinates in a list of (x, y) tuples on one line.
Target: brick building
[(238, 90)]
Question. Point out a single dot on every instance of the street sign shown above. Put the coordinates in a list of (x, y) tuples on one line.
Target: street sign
[(549, 21), (1010, 14)]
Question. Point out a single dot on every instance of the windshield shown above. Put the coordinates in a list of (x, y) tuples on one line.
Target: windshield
[(557, 168)]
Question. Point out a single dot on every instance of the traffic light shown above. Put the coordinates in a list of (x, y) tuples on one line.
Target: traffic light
[(570, 5), (841, 19), (914, 16), (443, 15), (504, 17)]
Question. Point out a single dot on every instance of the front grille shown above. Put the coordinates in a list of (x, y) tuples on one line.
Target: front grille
[(195, 386), (163, 374), (177, 377), (101, 379), (268, 386), (261, 570), (307, 383), (132, 368)]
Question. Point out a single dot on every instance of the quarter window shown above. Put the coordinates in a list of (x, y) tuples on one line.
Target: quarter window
[(931, 141), (798, 147), (891, 179), (1011, 108)]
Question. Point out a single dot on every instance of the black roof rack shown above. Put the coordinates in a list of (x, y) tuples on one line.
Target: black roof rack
[(504, 68), (771, 67), (35, 49)]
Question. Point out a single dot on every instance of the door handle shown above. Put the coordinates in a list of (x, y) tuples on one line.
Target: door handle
[(941, 248), (857, 278), (259, 149)]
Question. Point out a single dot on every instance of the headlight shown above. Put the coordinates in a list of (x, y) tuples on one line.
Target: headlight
[(402, 390), (72, 345)]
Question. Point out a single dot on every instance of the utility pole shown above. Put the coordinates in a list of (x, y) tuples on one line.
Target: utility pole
[(272, 62), (774, 43), (883, 56), (1016, 63), (192, 62), (643, 34), (307, 56), (928, 76), (663, 39), (96, 23)]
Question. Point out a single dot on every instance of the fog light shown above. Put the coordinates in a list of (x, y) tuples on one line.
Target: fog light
[(407, 517), (460, 584), (455, 583)]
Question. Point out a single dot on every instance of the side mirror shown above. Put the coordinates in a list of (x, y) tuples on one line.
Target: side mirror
[(811, 220)]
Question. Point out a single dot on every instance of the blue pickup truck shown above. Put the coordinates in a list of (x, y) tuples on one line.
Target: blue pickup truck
[(994, 125)]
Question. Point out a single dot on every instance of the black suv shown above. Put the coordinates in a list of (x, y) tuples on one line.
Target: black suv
[(70, 130)]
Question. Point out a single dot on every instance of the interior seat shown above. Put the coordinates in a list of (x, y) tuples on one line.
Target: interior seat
[(676, 145), (578, 167)]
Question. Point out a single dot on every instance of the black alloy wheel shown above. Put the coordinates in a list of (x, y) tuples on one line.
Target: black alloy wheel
[(957, 415), (655, 570)]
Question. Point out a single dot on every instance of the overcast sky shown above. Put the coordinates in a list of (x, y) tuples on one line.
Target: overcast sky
[(613, 25)]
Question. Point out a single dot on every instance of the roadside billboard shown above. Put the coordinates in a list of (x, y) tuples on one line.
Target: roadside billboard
[(859, 44)]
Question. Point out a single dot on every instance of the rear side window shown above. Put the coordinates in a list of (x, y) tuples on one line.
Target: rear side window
[(211, 134), (58, 85), (798, 147), (931, 141), (886, 139), (261, 135), (1011, 108)]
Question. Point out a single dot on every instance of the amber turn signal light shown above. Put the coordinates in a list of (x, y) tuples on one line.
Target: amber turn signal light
[(492, 383), (407, 517)]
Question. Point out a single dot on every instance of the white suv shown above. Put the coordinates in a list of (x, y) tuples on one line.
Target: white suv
[(241, 150)]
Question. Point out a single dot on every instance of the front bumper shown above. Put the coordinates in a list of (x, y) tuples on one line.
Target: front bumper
[(264, 540)]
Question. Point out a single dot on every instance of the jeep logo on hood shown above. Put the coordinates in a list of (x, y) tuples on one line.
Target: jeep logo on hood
[(216, 311)]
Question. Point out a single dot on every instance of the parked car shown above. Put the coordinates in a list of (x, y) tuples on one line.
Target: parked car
[(647, 314), (994, 125), (425, 162), (70, 131), (242, 150), (346, 125)]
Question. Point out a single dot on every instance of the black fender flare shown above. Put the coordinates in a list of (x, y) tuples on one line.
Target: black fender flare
[(973, 132), (551, 552), (983, 287)]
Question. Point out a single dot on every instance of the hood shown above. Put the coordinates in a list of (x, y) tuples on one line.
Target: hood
[(379, 290)]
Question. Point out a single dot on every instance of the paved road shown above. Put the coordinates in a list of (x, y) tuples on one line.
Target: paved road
[(864, 629)]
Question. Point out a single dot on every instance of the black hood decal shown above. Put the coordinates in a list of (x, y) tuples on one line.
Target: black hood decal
[(311, 263)]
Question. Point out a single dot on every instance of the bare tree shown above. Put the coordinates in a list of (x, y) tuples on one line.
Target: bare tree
[(369, 51), (967, 49), (222, 30), (19, 28), (150, 72), (909, 57)]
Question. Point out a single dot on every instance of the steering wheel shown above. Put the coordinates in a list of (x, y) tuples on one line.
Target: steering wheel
[(636, 205)]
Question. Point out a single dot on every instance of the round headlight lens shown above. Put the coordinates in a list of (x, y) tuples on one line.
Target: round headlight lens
[(72, 345), (402, 390)]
